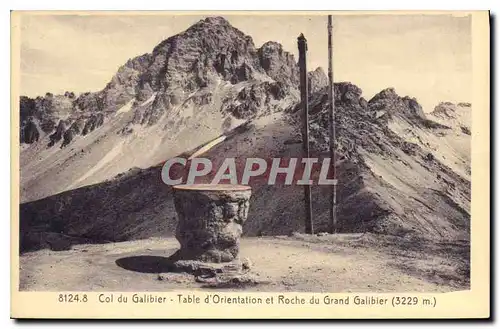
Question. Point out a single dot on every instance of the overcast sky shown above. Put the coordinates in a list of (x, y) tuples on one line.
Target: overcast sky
[(427, 57)]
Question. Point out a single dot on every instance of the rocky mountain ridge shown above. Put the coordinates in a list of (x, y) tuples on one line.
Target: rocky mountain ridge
[(90, 164), (156, 82), (209, 79)]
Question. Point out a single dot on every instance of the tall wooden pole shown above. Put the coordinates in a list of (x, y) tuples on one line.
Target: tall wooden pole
[(304, 91), (331, 98)]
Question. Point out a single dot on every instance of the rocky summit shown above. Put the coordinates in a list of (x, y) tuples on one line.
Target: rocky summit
[(91, 162)]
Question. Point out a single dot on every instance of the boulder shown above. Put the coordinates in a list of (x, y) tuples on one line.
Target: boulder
[(210, 221)]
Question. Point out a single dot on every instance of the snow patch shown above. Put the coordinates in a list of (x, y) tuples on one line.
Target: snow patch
[(149, 100), (208, 147), (126, 108)]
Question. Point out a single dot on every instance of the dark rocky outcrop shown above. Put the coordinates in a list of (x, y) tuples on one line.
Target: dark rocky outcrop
[(278, 63), (389, 99), (95, 121), (58, 134), (74, 130), (255, 100), (44, 111), (29, 133)]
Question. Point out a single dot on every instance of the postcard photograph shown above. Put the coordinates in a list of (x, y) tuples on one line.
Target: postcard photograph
[(247, 153)]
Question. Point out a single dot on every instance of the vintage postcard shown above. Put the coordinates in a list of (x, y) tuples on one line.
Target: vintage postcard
[(320, 165)]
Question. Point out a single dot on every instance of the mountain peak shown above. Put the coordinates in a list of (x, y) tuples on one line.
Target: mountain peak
[(214, 27), (317, 80), (272, 45), (319, 70), (387, 93), (217, 20), (388, 99)]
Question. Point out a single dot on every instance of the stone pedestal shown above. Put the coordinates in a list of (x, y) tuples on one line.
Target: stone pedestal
[(210, 219)]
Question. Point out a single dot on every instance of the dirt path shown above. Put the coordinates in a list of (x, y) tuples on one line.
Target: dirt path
[(345, 263)]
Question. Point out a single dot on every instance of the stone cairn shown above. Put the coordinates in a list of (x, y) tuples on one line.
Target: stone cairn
[(210, 224)]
